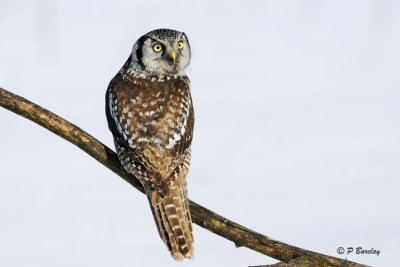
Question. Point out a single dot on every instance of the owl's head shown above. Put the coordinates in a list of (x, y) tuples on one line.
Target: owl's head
[(162, 52)]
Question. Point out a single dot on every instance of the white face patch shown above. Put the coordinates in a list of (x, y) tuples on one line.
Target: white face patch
[(160, 63)]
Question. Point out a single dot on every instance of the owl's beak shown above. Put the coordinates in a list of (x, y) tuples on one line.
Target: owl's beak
[(173, 55)]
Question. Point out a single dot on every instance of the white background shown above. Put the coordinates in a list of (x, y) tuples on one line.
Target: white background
[(297, 131)]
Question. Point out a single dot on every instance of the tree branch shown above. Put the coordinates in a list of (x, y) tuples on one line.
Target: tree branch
[(241, 236)]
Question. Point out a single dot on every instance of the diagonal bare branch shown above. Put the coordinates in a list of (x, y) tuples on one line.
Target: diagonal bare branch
[(202, 216)]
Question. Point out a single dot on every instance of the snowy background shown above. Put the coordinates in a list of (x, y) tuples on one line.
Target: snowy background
[(297, 132)]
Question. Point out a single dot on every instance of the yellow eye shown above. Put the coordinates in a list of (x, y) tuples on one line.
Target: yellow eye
[(180, 45), (157, 48)]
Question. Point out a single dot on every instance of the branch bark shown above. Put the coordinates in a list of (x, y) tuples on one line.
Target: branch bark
[(241, 236)]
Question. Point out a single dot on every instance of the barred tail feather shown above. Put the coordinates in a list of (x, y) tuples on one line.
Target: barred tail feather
[(173, 220)]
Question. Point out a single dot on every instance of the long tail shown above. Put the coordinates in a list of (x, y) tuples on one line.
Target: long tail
[(173, 220)]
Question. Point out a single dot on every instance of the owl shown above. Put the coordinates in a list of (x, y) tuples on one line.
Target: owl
[(150, 114)]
